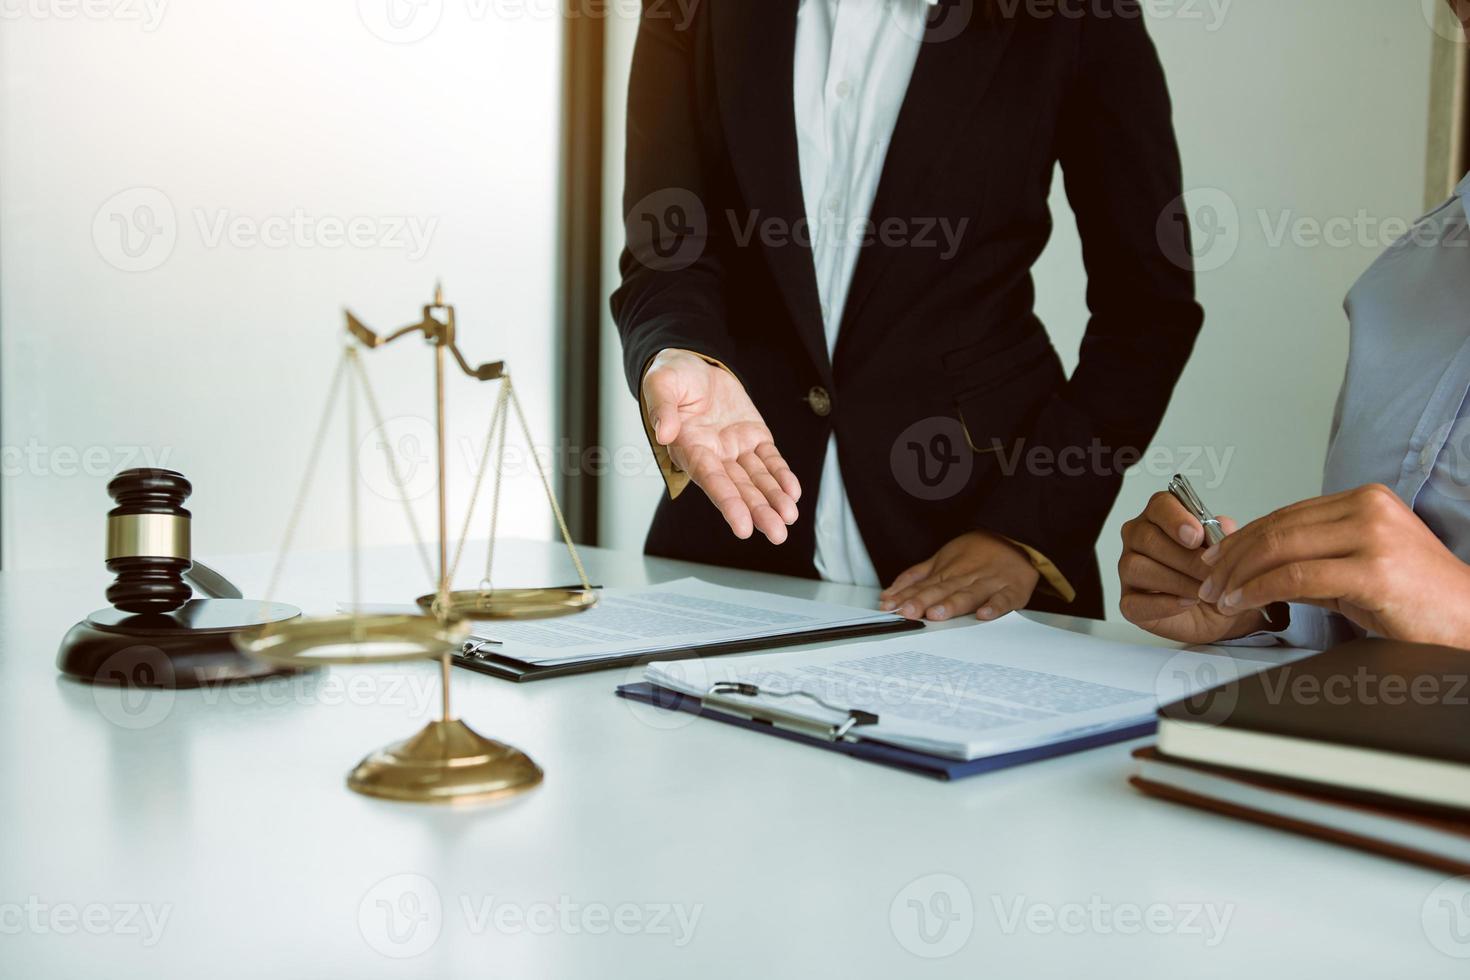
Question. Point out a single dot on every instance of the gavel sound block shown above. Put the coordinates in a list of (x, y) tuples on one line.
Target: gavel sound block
[(156, 634)]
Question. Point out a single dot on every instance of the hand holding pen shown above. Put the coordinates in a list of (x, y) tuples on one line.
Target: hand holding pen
[(1183, 491), (1162, 570)]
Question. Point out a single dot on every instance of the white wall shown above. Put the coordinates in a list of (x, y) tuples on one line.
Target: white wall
[(1306, 111), (210, 354)]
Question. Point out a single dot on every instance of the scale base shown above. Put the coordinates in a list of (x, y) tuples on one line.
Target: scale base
[(446, 762)]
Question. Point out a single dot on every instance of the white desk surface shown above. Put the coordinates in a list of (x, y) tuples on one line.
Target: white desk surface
[(224, 817)]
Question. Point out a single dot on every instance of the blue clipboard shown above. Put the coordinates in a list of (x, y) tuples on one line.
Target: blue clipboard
[(892, 756)]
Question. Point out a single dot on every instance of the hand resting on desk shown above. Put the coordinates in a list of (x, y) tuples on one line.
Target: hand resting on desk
[(978, 573)]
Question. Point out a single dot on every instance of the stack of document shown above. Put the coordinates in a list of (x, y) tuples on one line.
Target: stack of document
[(684, 616), (989, 690)]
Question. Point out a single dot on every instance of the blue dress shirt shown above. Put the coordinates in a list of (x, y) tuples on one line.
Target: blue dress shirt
[(1401, 416)]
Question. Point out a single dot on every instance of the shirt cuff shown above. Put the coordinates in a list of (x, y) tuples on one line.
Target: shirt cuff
[(1052, 579), (674, 478), (1310, 628)]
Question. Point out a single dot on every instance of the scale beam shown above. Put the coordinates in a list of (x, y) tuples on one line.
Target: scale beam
[(446, 761), (439, 332)]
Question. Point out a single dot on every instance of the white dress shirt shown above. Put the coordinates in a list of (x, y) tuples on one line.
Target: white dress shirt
[(854, 59)]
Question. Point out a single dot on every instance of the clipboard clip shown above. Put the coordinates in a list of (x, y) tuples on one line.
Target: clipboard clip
[(726, 694), (479, 647)]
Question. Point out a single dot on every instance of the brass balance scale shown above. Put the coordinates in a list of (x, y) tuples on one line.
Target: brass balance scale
[(446, 761)]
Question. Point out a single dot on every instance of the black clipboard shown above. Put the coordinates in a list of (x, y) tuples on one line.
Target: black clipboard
[(484, 659)]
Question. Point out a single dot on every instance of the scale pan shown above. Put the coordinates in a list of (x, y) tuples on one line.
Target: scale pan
[(512, 603), (326, 641)]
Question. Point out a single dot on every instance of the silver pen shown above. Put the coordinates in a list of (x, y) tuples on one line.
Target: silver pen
[(1183, 492)]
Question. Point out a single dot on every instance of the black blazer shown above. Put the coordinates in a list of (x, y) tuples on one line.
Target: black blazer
[(950, 406)]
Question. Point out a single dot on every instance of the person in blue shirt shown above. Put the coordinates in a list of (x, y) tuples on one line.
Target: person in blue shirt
[(1385, 550)]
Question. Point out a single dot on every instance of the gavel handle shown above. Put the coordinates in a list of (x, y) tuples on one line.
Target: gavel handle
[(211, 583)]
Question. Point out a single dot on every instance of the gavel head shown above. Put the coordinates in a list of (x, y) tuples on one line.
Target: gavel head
[(148, 541)]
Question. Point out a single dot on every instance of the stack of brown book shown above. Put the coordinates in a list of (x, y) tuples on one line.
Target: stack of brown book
[(1366, 745)]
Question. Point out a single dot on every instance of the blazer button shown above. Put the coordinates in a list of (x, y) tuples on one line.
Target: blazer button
[(820, 402)]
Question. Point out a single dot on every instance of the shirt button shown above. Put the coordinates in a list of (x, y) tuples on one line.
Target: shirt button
[(820, 402), (844, 89), (1426, 459)]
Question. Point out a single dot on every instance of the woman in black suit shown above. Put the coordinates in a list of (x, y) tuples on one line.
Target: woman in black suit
[(832, 211)]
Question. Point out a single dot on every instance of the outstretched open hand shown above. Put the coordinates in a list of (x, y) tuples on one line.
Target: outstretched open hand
[(714, 432)]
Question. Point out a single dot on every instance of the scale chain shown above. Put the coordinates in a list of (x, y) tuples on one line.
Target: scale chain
[(354, 514), (298, 505), (380, 426), (507, 389), (566, 534), (464, 533)]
